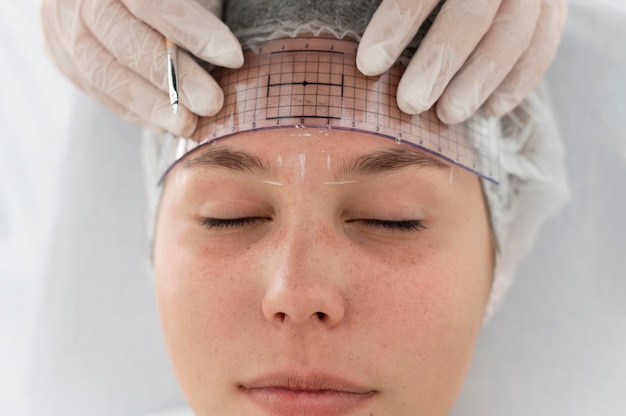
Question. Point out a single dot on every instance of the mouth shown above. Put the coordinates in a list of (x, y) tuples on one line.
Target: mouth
[(307, 394)]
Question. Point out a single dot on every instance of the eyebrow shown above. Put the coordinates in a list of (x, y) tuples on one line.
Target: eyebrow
[(369, 164), (388, 160), (229, 158)]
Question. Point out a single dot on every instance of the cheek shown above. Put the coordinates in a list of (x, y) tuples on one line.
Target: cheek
[(433, 300), (202, 307), (199, 294), (426, 313)]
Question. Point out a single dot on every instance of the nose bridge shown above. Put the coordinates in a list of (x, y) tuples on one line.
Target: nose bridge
[(304, 276)]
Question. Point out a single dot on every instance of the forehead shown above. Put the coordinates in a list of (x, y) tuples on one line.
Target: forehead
[(346, 153)]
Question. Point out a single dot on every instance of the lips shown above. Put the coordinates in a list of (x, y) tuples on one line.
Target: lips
[(286, 394)]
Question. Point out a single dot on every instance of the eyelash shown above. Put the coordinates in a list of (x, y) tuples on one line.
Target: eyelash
[(404, 225), (229, 223)]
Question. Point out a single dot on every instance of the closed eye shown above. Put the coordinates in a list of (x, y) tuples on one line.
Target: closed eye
[(230, 222), (404, 225)]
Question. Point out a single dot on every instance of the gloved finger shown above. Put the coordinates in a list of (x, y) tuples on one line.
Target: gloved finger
[(54, 45), (390, 30), (214, 6), (55, 49), (533, 63), (102, 72), (496, 54), (142, 49), (64, 63), (188, 24), (456, 31)]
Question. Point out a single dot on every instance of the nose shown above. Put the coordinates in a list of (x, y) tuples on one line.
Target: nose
[(305, 280)]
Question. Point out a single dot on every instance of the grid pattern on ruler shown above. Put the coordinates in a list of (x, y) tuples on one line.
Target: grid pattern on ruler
[(315, 87), (305, 84)]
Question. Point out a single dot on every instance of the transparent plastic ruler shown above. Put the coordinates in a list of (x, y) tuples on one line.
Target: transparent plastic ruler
[(314, 82)]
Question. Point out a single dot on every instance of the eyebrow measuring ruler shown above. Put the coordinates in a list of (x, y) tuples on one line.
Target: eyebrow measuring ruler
[(314, 83)]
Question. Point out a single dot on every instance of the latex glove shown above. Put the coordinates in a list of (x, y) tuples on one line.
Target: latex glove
[(115, 51), (488, 53)]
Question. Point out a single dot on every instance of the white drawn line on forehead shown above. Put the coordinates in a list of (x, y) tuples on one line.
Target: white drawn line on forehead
[(375, 163), (341, 182)]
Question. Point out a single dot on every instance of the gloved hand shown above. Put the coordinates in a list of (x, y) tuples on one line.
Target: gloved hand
[(115, 51), (488, 53)]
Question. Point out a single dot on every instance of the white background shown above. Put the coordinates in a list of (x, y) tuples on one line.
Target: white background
[(73, 342)]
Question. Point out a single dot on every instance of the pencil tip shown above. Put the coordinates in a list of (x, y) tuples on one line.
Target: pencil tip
[(174, 108)]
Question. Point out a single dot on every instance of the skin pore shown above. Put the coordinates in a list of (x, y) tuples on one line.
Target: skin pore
[(318, 272)]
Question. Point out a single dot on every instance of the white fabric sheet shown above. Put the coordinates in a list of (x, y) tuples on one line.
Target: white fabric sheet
[(79, 333)]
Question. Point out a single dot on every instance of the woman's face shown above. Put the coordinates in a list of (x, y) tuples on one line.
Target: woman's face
[(320, 272)]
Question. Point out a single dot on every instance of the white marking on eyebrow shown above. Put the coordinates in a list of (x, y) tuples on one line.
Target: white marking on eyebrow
[(340, 182), (451, 175), (279, 161), (327, 162), (276, 183)]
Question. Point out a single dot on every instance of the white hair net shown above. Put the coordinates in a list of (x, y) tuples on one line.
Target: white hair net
[(532, 184)]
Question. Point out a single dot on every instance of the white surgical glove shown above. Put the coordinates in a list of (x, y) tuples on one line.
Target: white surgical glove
[(115, 51), (487, 53)]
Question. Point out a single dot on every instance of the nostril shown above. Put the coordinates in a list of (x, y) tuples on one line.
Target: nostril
[(321, 316)]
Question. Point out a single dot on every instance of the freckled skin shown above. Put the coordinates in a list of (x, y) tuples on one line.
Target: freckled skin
[(311, 286)]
